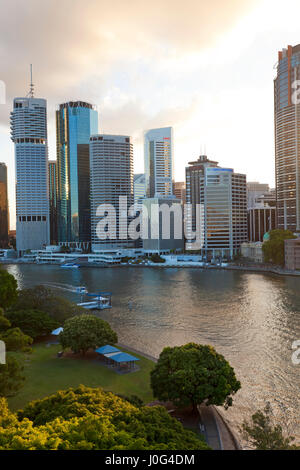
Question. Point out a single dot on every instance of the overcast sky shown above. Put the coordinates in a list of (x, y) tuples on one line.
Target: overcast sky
[(204, 67)]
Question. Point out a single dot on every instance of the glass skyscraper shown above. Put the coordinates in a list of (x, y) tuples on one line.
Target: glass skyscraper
[(53, 201), (3, 207), (287, 139), (29, 134), (75, 122), (158, 153)]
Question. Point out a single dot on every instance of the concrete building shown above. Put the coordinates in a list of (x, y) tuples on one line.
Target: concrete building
[(287, 139), (255, 190), (111, 163), (162, 225), (52, 172), (261, 219), (4, 212), (29, 134), (217, 197), (76, 121), (292, 254), (158, 153)]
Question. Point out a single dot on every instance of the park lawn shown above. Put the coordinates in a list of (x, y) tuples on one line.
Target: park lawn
[(46, 374)]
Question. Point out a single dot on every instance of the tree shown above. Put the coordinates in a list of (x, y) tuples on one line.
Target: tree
[(33, 323), (11, 379), (86, 331), (43, 299), (15, 340), (273, 249), (87, 418), (156, 258), (263, 434), (193, 374), (4, 322), (8, 289)]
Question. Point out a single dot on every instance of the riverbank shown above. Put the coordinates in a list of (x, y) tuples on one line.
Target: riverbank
[(231, 267)]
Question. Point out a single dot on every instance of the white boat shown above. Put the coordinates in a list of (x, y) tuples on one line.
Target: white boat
[(70, 265)]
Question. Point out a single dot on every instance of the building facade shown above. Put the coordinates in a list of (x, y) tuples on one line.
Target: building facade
[(4, 212), (158, 153), (75, 122), (139, 187), (179, 190), (287, 139), (292, 254), (29, 134), (255, 190), (52, 172), (111, 177), (261, 219), (217, 209), (162, 225)]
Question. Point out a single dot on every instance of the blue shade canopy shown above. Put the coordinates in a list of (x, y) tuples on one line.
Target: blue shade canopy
[(107, 349), (57, 331), (123, 357)]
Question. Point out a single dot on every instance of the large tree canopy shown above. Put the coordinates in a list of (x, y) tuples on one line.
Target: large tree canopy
[(193, 374), (8, 289), (32, 322), (43, 299), (273, 249), (86, 331), (86, 418)]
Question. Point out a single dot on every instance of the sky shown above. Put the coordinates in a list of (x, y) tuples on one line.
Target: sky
[(204, 67)]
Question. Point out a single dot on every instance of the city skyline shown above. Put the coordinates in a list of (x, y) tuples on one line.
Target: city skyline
[(160, 79)]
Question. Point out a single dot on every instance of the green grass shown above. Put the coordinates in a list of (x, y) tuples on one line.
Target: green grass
[(46, 374)]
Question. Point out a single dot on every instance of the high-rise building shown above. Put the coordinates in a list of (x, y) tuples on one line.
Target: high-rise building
[(111, 159), (4, 213), (218, 199), (139, 188), (158, 153), (76, 121), (53, 201), (29, 134), (287, 139), (255, 190), (179, 190)]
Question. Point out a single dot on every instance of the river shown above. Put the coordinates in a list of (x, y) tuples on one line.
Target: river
[(252, 319)]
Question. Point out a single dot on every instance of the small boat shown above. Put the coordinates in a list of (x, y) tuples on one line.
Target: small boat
[(81, 290), (70, 265)]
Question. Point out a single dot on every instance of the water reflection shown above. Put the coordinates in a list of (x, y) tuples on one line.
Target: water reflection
[(250, 318)]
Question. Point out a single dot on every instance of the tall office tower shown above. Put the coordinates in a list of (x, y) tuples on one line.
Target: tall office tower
[(158, 153), (222, 207), (255, 190), (29, 134), (287, 139), (179, 190), (4, 213), (76, 121), (111, 159), (53, 201), (139, 188)]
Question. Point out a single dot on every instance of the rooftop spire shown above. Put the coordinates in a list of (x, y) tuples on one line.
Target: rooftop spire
[(31, 86)]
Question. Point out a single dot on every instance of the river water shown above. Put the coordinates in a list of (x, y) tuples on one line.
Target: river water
[(252, 319)]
